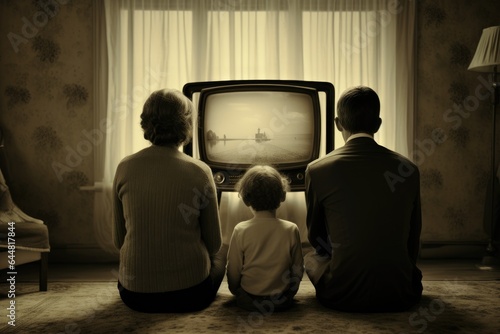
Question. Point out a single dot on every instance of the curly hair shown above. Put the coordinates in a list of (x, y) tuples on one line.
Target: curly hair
[(263, 188), (166, 118)]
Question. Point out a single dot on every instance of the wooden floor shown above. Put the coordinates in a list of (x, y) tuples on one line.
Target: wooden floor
[(433, 270)]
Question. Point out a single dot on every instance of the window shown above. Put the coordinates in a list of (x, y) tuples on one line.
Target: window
[(155, 44)]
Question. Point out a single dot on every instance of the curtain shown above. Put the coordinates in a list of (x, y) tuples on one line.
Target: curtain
[(155, 44)]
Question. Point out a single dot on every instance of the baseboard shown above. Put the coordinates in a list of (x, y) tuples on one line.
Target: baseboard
[(81, 254), (452, 249), (429, 250)]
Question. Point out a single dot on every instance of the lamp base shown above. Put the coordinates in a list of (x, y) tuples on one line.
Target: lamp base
[(489, 261)]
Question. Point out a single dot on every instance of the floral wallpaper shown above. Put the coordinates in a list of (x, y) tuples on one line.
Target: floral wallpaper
[(453, 118), (45, 103), (46, 94)]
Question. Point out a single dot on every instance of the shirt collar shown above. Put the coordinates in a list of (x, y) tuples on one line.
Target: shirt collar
[(359, 135)]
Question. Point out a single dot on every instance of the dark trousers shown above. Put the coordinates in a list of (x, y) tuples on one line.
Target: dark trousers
[(191, 299)]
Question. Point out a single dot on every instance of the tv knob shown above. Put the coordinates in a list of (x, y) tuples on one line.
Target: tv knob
[(219, 178), (300, 176)]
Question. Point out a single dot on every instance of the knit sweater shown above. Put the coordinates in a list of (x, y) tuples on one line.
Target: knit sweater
[(166, 221)]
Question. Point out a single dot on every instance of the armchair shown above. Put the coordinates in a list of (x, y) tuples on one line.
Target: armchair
[(23, 239)]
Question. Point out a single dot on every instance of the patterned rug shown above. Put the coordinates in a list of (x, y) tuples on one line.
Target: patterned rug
[(95, 307)]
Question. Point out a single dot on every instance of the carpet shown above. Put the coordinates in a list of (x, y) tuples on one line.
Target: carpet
[(95, 307)]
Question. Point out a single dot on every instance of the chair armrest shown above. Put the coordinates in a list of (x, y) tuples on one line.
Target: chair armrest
[(26, 217)]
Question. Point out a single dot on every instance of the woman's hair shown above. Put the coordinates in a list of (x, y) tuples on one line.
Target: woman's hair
[(358, 110), (166, 118), (263, 188)]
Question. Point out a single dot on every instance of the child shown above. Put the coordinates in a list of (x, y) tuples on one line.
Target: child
[(265, 263)]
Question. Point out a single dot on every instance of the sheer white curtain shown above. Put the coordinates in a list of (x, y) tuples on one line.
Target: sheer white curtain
[(155, 44), (368, 43)]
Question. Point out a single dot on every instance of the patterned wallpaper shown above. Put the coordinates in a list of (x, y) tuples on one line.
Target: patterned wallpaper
[(45, 104), (453, 119), (46, 109)]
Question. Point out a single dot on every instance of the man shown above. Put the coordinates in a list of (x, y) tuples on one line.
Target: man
[(363, 217)]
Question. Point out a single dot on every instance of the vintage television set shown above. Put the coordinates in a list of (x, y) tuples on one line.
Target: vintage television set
[(240, 123)]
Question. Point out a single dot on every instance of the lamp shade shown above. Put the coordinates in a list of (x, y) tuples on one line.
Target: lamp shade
[(487, 54)]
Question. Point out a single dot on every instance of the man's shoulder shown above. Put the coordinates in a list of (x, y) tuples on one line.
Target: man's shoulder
[(401, 159), (338, 154), (327, 159)]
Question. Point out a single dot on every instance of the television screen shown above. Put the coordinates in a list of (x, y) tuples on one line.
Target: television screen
[(245, 123), (258, 127)]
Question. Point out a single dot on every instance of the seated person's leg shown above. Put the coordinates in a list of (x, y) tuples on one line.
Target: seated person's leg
[(191, 299), (218, 269), (315, 265), (264, 304)]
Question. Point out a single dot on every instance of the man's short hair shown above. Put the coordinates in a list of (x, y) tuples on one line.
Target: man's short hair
[(166, 118), (263, 188), (358, 110)]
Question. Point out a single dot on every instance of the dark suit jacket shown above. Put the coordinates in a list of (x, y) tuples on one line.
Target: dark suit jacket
[(363, 208)]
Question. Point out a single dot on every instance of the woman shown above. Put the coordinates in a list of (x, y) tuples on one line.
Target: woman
[(166, 221)]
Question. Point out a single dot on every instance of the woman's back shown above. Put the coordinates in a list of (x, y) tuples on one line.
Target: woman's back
[(167, 226)]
